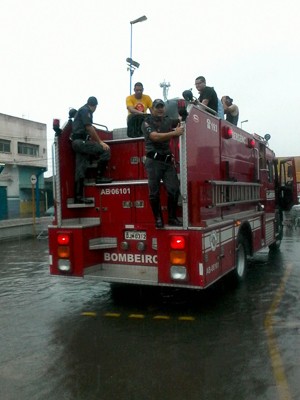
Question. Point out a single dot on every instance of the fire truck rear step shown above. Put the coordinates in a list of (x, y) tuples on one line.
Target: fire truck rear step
[(77, 223), (124, 273), (103, 243), (118, 183)]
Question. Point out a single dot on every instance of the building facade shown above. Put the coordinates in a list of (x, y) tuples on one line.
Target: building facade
[(23, 161)]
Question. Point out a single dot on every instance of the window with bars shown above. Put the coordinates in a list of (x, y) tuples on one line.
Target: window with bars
[(28, 149)]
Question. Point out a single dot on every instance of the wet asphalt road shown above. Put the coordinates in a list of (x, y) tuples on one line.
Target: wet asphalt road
[(76, 339)]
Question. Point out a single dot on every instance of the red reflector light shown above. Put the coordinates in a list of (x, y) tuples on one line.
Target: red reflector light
[(63, 239), (251, 143), (228, 132), (56, 123), (177, 242)]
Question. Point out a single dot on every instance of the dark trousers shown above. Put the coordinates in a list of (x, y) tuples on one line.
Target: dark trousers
[(157, 171), (165, 171), (84, 151)]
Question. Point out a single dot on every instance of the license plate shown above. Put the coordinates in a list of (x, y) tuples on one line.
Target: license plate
[(135, 235)]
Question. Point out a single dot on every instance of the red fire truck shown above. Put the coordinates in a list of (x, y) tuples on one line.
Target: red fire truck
[(233, 194)]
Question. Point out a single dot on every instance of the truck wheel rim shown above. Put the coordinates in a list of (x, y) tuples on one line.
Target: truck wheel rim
[(240, 261)]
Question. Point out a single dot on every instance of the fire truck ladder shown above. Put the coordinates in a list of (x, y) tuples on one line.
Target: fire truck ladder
[(230, 193)]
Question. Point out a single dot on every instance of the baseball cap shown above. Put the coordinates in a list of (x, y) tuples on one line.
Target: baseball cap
[(158, 102), (92, 101)]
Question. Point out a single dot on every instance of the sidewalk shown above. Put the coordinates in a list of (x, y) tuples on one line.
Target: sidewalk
[(22, 227)]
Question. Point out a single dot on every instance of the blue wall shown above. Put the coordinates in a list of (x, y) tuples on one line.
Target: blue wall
[(3, 202)]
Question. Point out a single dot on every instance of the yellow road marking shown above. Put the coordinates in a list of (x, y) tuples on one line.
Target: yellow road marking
[(161, 317), (113, 315), (277, 365), (137, 316), (186, 318), (89, 314)]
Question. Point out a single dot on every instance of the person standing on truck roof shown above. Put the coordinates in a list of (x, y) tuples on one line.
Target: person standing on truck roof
[(137, 105), (231, 110), (158, 129), (87, 143), (208, 95)]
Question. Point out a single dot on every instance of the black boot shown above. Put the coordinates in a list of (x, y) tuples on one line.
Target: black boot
[(156, 209), (172, 208), (78, 198), (100, 172)]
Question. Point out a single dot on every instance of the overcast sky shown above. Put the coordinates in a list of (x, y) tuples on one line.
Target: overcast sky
[(57, 53)]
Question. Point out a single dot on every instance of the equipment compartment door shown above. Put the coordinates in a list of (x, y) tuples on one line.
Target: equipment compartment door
[(125, 160), (116, 205), (219, 254), (227, 249)]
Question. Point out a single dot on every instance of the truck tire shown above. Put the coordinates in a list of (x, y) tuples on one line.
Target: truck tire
[(241, 258), (276, 245)]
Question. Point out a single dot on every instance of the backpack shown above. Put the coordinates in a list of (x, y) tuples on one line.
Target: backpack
[(134, 125)]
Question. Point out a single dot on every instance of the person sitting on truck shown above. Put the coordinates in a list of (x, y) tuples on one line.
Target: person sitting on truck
[(231, 110), (208, 95), (87, 143), (158, 129), (137, 105)]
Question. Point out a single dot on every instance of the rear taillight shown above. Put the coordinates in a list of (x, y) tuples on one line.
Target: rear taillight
[(177, 242), (63, 239), (178, 258), (64, 251)]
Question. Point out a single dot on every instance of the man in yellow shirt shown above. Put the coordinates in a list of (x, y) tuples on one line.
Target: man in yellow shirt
[(137, 105)]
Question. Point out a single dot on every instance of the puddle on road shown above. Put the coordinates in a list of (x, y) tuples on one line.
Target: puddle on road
[(42, 326)]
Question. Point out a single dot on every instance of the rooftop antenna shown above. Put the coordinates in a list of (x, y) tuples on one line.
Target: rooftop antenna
[(165, 85)]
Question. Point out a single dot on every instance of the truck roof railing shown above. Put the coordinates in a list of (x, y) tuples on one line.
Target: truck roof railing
[(103, 126)]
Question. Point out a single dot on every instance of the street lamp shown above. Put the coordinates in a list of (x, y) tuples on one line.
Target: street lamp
[(133, 64), (242, 122)]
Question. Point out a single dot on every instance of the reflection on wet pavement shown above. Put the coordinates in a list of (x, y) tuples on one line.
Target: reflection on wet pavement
[(78, 339)]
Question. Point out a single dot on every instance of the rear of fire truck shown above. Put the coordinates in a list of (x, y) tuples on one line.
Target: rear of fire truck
[(231, 205)]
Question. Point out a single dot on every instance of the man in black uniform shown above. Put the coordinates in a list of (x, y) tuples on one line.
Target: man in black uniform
[(86, 143), (159, 164), (208, 96)]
